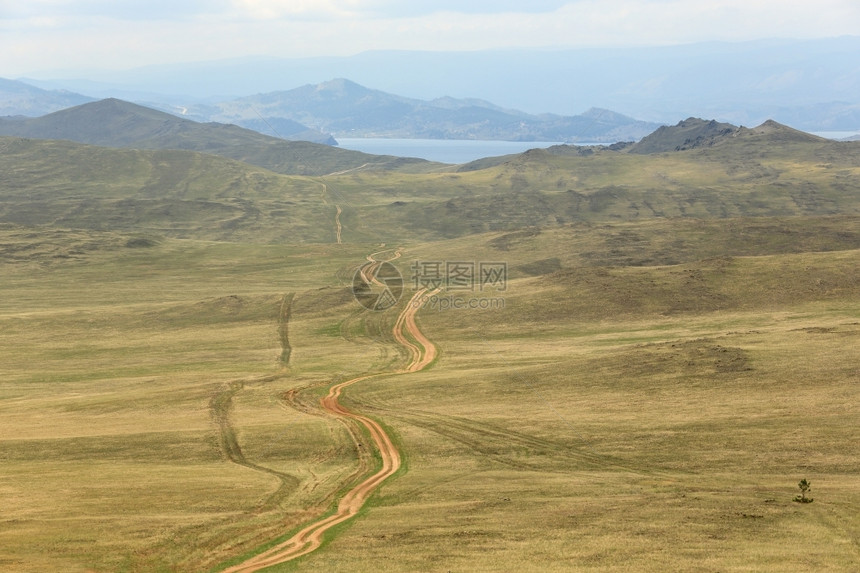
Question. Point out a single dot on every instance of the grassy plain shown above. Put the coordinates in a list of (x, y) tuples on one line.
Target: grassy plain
[(647, 398), (609, 417), (114, 361)]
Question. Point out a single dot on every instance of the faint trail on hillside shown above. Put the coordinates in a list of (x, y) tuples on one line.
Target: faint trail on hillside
[(283, 328), (421, 352), (221, 406), (338, 226), (362, 166), (590, 454)]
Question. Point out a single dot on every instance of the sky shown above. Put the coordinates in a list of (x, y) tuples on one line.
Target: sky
[(39, 37)]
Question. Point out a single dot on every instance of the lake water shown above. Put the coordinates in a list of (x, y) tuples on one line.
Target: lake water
[(465, 150), (444, 150)]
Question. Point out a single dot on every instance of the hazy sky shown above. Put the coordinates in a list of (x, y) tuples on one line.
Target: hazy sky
[(55, 35)]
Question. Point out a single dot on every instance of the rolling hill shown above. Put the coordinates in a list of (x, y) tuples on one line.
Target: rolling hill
[(770, 170), (22, 100), (695, 133), (286, 129), (174, 193), (117, 123), (697, 169)]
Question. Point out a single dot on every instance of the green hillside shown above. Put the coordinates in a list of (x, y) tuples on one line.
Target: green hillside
[(762, 172), (173, 193), (695, 133)]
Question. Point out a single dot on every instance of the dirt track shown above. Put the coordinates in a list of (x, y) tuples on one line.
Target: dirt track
[(422, 352), (338, 226)]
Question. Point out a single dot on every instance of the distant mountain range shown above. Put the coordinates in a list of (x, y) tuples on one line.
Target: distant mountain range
[(19, 98), (117, 123), (347, 109), (809, 84), (120, 124)]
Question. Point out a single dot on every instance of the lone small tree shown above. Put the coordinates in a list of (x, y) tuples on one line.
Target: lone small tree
[(805, 487)]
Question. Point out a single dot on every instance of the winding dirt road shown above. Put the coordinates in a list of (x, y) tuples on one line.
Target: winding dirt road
[(422, 352)]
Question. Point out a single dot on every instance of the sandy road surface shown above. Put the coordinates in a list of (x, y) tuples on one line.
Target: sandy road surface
[(421, 353), (368, 272)]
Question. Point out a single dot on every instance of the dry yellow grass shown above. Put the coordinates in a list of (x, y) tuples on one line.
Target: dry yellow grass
[(607, 419)]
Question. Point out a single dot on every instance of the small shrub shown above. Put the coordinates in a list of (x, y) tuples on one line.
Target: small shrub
[(805, 487), (140, 243)]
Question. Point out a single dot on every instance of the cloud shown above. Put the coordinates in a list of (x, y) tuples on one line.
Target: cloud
[(72, 11), (41, 34), (274, 10), (425, 7), (385, 9)]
